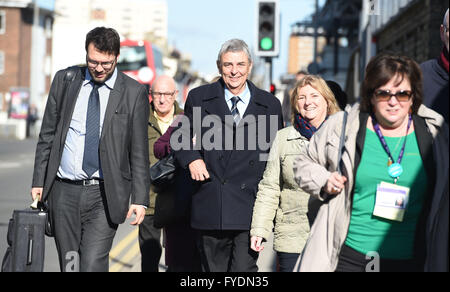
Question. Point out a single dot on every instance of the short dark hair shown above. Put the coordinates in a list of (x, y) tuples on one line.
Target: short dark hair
[(383, 68), (106, 40)]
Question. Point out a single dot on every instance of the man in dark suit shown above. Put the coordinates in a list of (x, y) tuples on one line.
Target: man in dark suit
[(91, 161), (231, 126)]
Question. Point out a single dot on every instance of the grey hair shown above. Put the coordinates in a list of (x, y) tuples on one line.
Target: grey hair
[(234, 45), (444, 22)]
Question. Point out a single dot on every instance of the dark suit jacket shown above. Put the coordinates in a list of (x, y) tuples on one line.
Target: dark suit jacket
[(225, 202), (123, 143)]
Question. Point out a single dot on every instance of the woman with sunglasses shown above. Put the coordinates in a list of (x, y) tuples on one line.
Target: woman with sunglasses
[(395, 149)]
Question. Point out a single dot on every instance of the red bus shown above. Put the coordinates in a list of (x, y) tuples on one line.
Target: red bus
[(141, 61)]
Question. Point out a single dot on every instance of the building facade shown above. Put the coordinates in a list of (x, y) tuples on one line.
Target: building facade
[(301, 47), (25, 57), (408, 27)]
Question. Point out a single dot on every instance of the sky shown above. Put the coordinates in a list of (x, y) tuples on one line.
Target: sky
[(200, 27)]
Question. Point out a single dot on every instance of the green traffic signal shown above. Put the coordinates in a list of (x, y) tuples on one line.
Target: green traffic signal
[(266, 43)]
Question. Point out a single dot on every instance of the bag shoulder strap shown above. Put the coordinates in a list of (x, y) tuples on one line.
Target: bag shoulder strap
[(69, 76), (342, 143)]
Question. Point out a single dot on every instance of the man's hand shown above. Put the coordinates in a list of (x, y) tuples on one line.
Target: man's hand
[(335, 184), (140, 214), (36, 192), (198, 170)]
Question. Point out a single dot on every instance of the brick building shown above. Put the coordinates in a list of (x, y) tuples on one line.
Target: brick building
[(301, 47), (25, 52)]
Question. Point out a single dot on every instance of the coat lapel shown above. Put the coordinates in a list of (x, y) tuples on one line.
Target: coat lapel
[(113, 101), (257, 106), (214, 102), (71, 96)]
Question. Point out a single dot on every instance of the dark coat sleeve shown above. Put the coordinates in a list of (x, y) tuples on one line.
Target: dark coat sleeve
[(186, 156), (48, 130), (139, 153)]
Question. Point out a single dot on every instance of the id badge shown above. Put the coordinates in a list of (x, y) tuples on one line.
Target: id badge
[(391, 201)]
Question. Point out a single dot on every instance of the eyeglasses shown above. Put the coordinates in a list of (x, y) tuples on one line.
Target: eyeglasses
[(105, 65), (156, 94), (385, 95)]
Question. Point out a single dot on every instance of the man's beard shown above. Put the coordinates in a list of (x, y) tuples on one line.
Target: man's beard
[(103, 79)]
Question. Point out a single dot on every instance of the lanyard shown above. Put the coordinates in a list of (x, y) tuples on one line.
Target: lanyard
[(395, 170)]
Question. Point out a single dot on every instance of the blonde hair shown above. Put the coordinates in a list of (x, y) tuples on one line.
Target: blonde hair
[(321, 86)]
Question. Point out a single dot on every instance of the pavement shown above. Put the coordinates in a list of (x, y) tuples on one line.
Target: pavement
[(125, 255)]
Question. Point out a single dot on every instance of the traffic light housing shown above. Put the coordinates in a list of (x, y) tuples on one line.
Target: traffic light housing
[(268, 28)]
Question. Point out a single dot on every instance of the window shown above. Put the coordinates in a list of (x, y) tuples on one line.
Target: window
[(2, 22), (2, 62)]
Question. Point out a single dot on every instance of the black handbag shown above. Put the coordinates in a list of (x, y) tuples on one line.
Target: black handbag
[(162, 173)]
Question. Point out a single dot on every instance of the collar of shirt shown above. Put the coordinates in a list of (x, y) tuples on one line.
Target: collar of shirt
[(244, 96), (109, 83)]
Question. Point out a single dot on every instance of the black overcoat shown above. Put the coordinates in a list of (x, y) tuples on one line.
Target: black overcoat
[(225, 202)]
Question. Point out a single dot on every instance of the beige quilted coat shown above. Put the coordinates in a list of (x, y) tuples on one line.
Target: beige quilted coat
[(280, 198)]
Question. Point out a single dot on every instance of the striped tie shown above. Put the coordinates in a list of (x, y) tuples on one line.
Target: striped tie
[(91, 157), (234, 109)]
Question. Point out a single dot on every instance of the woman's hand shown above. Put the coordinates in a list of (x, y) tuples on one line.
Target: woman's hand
[(335, 184), (256, 243)]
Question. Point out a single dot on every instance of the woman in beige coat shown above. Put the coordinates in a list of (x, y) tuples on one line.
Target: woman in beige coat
[(279, 197), (395, 148)]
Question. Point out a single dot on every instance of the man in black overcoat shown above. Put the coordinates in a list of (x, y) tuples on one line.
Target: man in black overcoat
[(229, 126)]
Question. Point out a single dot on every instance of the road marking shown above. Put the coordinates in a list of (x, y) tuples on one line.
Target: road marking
[(10, 164), (130, 255), (124, 243), (120, 247)]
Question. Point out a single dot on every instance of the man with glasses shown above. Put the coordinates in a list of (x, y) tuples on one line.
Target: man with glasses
[(163, 109), (91, 163), (435, 76)]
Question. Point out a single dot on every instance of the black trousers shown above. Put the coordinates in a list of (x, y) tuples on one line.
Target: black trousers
[(287, 261), (226, 251), (181, 249), (351, 260), (150, 245), (83, 231)]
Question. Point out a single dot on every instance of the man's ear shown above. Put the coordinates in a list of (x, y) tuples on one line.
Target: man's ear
[(219, 67)]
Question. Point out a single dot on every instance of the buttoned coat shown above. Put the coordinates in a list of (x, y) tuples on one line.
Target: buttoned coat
[(123, 147), (235, 157), (281, 205)]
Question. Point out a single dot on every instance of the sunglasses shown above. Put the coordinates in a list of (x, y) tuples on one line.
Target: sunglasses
[(385, 95)]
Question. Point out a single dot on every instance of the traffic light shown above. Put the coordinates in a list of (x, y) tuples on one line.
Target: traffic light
[(268, 28)]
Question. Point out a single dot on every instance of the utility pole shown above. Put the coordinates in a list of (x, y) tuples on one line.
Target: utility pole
[(316, 30), (34, 92), (268, 76)]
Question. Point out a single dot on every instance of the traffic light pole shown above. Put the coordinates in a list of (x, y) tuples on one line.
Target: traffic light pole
[(268, 73)]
